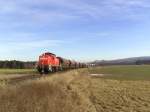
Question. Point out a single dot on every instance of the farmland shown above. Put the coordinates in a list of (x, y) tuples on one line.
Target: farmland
[(17, 71), (8, 74), (131, 72), (120, 89)]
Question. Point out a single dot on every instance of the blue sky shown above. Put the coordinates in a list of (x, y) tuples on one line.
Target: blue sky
[(83, 30)]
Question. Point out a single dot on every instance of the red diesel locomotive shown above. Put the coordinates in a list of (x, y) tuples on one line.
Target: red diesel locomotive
[(48, 62)]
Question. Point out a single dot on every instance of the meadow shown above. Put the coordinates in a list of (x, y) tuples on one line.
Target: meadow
[(7, 74), (17, 71), (78, 91), (128, 72)]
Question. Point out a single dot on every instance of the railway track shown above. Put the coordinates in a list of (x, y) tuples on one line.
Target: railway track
[(23, 78), (16, 80)]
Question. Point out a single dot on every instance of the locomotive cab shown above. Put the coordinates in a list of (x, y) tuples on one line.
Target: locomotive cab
[(47, 63)]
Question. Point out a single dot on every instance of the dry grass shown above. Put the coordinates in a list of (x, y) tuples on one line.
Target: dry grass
[(45, 95), (75, 91), (114, 95)]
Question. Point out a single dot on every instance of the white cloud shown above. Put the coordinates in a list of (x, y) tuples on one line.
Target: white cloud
[(130, 3), (40, 13), (19, 46)]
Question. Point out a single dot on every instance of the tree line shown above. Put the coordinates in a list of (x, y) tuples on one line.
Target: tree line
[(17, 64)]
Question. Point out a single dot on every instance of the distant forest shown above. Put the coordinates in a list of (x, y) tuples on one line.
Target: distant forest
[(17, 64)]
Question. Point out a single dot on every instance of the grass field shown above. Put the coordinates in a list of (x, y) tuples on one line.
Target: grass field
[(78, 91), (141, 72), (7, 74), (17, 71)]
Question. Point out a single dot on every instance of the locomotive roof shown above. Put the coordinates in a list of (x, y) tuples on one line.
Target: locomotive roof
[(48, 53)]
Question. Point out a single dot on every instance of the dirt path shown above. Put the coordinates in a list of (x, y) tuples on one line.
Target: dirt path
[(97, 75)]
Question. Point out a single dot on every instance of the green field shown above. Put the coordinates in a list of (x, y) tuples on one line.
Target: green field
[(17, 71), (141, 72)]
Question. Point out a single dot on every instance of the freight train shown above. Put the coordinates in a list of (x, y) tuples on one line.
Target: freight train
[(48, 62)]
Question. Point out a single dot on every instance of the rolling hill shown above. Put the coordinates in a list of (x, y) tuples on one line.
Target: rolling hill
[(125, 61)]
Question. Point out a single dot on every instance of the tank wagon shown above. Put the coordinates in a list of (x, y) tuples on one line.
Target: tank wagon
[(48, 62)]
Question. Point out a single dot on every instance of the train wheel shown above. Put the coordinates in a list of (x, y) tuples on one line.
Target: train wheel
[(46, 70), (50, 68), (55, 70), (60, 68), (39, 69)]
